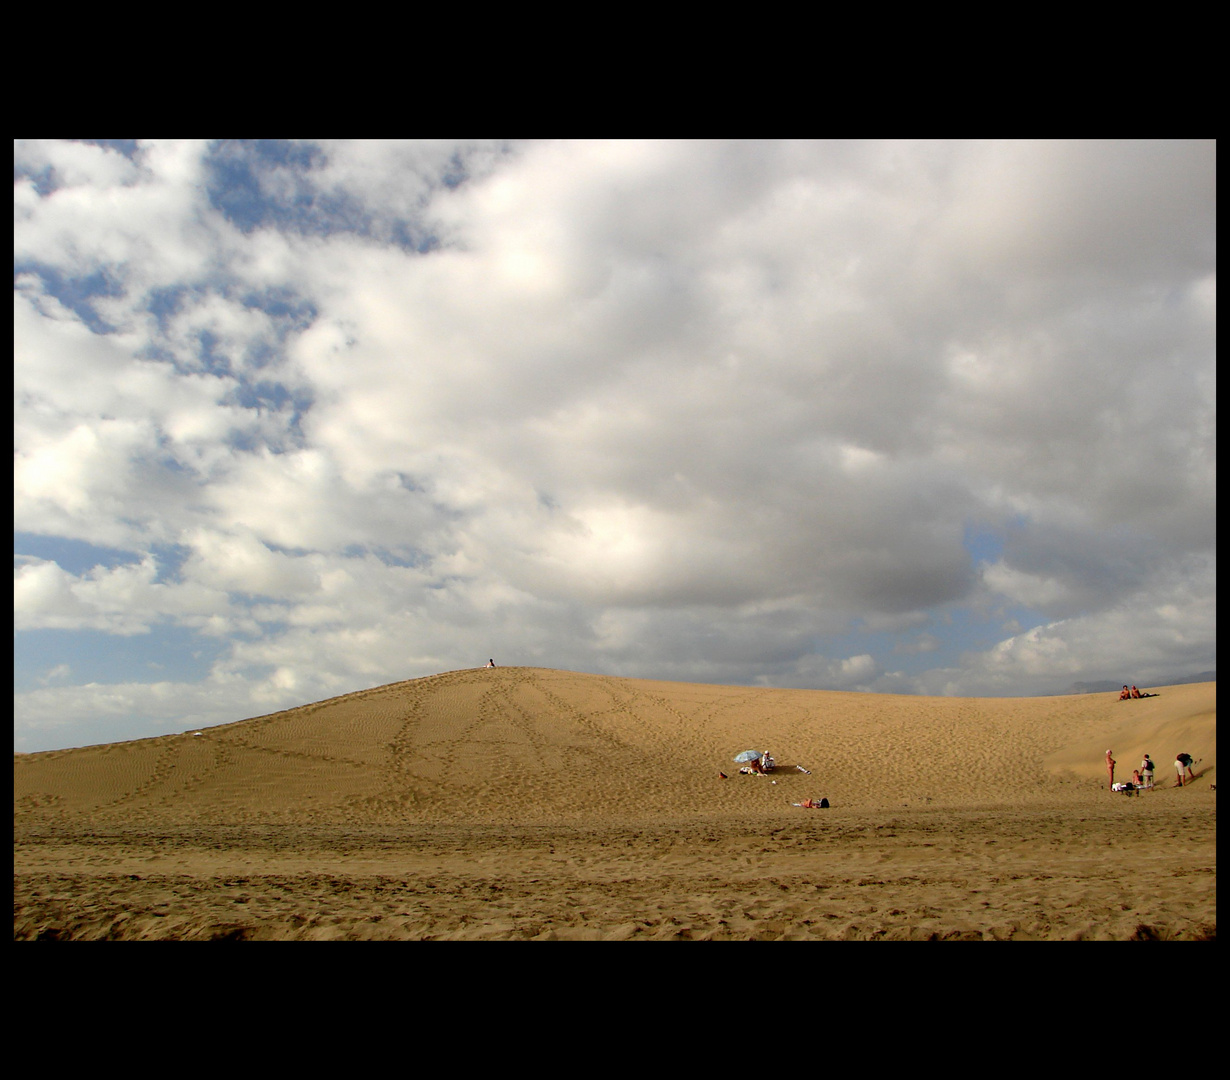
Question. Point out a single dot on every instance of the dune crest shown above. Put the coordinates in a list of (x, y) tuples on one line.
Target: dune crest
[(527, 745)]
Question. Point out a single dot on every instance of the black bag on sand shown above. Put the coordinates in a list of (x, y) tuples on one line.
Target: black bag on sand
[(824, 804)]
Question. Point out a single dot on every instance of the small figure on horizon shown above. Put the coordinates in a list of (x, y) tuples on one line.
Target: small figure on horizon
[(1126, 695), (1182, 766), (1135, 692), (491, 663), (1110, 770)]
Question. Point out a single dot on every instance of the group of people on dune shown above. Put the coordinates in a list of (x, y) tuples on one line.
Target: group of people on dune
[(1142, 778), (1127, 694), (762, 765)]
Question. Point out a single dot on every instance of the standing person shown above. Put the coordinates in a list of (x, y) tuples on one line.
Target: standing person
[(1146, 771), (1110, 770), (1183, 764)]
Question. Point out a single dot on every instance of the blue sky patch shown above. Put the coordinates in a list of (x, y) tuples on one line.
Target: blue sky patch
[(75, 293), (74, 556), (75, 657)]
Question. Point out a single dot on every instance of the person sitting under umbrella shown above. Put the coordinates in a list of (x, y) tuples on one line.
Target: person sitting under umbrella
[(750, 760)]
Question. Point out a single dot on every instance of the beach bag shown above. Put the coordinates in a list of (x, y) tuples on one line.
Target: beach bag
[(824, 804)]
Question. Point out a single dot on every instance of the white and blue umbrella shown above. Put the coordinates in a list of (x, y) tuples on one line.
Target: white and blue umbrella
[(748, 755)]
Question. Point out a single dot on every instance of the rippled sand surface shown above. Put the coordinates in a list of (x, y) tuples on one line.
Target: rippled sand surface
[(534, 803)]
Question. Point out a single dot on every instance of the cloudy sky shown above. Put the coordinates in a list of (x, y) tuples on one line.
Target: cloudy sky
[(294, 419)]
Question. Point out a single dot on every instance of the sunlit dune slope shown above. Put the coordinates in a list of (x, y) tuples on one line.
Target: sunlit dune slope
[(530, 745)]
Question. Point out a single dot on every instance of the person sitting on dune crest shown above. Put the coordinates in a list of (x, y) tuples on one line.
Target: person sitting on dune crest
[(1126, 695)]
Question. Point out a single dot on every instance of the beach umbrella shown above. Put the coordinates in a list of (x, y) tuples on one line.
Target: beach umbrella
[(748, 755)]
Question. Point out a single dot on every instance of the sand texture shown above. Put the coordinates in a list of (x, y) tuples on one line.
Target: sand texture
[(528, 803)]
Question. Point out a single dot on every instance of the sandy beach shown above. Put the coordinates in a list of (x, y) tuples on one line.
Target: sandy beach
[(529, 803)]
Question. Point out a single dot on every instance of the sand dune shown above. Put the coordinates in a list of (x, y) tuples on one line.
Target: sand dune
[(545, 803)]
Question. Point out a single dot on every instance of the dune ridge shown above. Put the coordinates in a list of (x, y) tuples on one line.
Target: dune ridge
[(551, 792)]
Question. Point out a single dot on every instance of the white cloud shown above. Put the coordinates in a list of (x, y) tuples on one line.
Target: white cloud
[(1166, 628), (59, 671), (97, 713), (1030, 590), (696, 409), (140, 221), (124, 599)]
